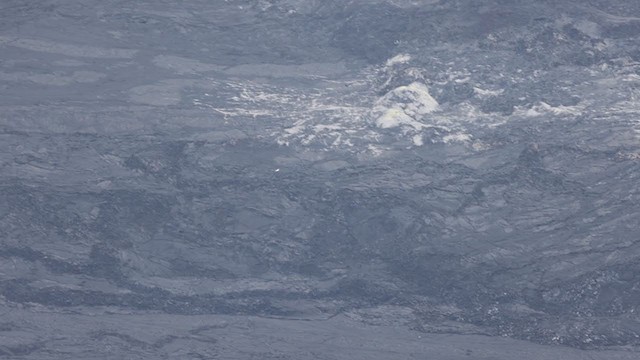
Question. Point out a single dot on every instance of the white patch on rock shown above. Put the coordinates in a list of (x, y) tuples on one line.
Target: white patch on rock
[(453, 138), (398, 59), (543, 108), (405, 105), (417, 140), (486, 93)]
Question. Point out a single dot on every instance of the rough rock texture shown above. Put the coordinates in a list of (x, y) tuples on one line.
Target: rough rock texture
[(213, 180)]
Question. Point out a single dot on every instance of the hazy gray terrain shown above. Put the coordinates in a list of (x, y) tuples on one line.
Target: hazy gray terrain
[(320, 179)]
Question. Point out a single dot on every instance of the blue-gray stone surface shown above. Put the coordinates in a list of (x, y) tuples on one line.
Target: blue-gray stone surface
[(320, 179)]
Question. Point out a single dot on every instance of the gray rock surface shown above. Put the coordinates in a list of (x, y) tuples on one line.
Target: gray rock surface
[(305, 179)]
